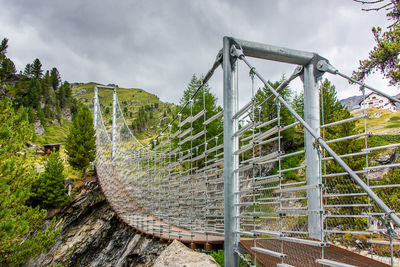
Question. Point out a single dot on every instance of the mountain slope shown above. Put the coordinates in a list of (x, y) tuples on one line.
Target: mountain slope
[(158, 113)]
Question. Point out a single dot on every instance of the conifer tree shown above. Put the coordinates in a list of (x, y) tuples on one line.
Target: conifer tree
[(45, 83), (384, 57), (33, 96), (7, 69), (61, 97), (204, 99), (55, 78), (64, 94), (28, 71), (3, 48), (36, 69), (50, 190), (269, 109), (80, 143)]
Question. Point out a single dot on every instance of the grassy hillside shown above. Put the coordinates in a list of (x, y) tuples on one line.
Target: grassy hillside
[(130, 99), (54, 133), (380, 121)]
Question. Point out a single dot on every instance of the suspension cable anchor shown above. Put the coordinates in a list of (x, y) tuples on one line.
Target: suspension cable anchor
[(237, 51), (324, 66)]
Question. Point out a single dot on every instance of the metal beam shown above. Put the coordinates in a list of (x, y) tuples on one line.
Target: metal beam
[(95, 103), (312, 117), (114, 123), (230, 126), (276, 53)]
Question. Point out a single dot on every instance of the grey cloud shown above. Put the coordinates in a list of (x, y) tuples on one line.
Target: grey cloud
[(157, 45)]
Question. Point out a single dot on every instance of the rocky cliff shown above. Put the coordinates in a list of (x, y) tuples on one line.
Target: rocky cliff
[(92, 236)]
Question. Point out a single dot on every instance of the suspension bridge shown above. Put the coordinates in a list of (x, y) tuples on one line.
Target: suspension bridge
[(221, 178)]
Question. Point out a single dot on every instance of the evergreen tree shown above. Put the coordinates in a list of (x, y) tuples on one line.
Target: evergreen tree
[(58, 115), (74, 107), (21, 235), (36, 69), (28, 71), (67, 91), (45, 83), (41, 116), (80, 143), (61, 97), (47, 112), (7, 69), (270, 108), (210, 105), (33, 96), (50, 190), (55, 78), (333, 111), (385, 55), (3, 48), (64, 94)]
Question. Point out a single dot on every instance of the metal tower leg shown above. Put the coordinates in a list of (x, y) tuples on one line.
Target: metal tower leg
[(312, 117), (231, 241), (114, 123)]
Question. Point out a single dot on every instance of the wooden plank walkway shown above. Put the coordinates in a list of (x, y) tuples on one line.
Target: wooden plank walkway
[(304, 255)]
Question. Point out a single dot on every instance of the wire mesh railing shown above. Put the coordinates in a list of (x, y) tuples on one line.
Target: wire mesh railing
[(299, 193)]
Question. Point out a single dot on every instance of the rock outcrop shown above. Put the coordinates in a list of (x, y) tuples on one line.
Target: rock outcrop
[(92, 236)]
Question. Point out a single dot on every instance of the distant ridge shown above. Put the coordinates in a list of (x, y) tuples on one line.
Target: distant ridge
[(352, 101)]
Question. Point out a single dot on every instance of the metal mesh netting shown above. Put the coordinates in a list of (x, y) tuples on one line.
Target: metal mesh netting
[(174, 190)]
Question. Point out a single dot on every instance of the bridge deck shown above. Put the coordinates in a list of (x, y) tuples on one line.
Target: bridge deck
[(304, 255), (119, 199)]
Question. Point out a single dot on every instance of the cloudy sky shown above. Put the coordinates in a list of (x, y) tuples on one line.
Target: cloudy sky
[(158, 45)]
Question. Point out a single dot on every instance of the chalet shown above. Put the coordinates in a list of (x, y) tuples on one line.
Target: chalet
[(373, 100)]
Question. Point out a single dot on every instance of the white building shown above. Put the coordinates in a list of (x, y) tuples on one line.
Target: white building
[(374, 100)]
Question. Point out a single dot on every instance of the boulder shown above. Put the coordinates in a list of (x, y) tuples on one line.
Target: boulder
[(178, 255)]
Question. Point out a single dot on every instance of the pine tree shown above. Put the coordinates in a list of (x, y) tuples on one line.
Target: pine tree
[(80, 143), (36, 69), (269, 110), (50, 190), (28, 71), (33, 96), (385, 54), (64, 94), (333, 111), (41, 116), (18, 220), (203, 100), (61, 97), (45, 83), (55, 78), (3, 48), (7, 69)]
